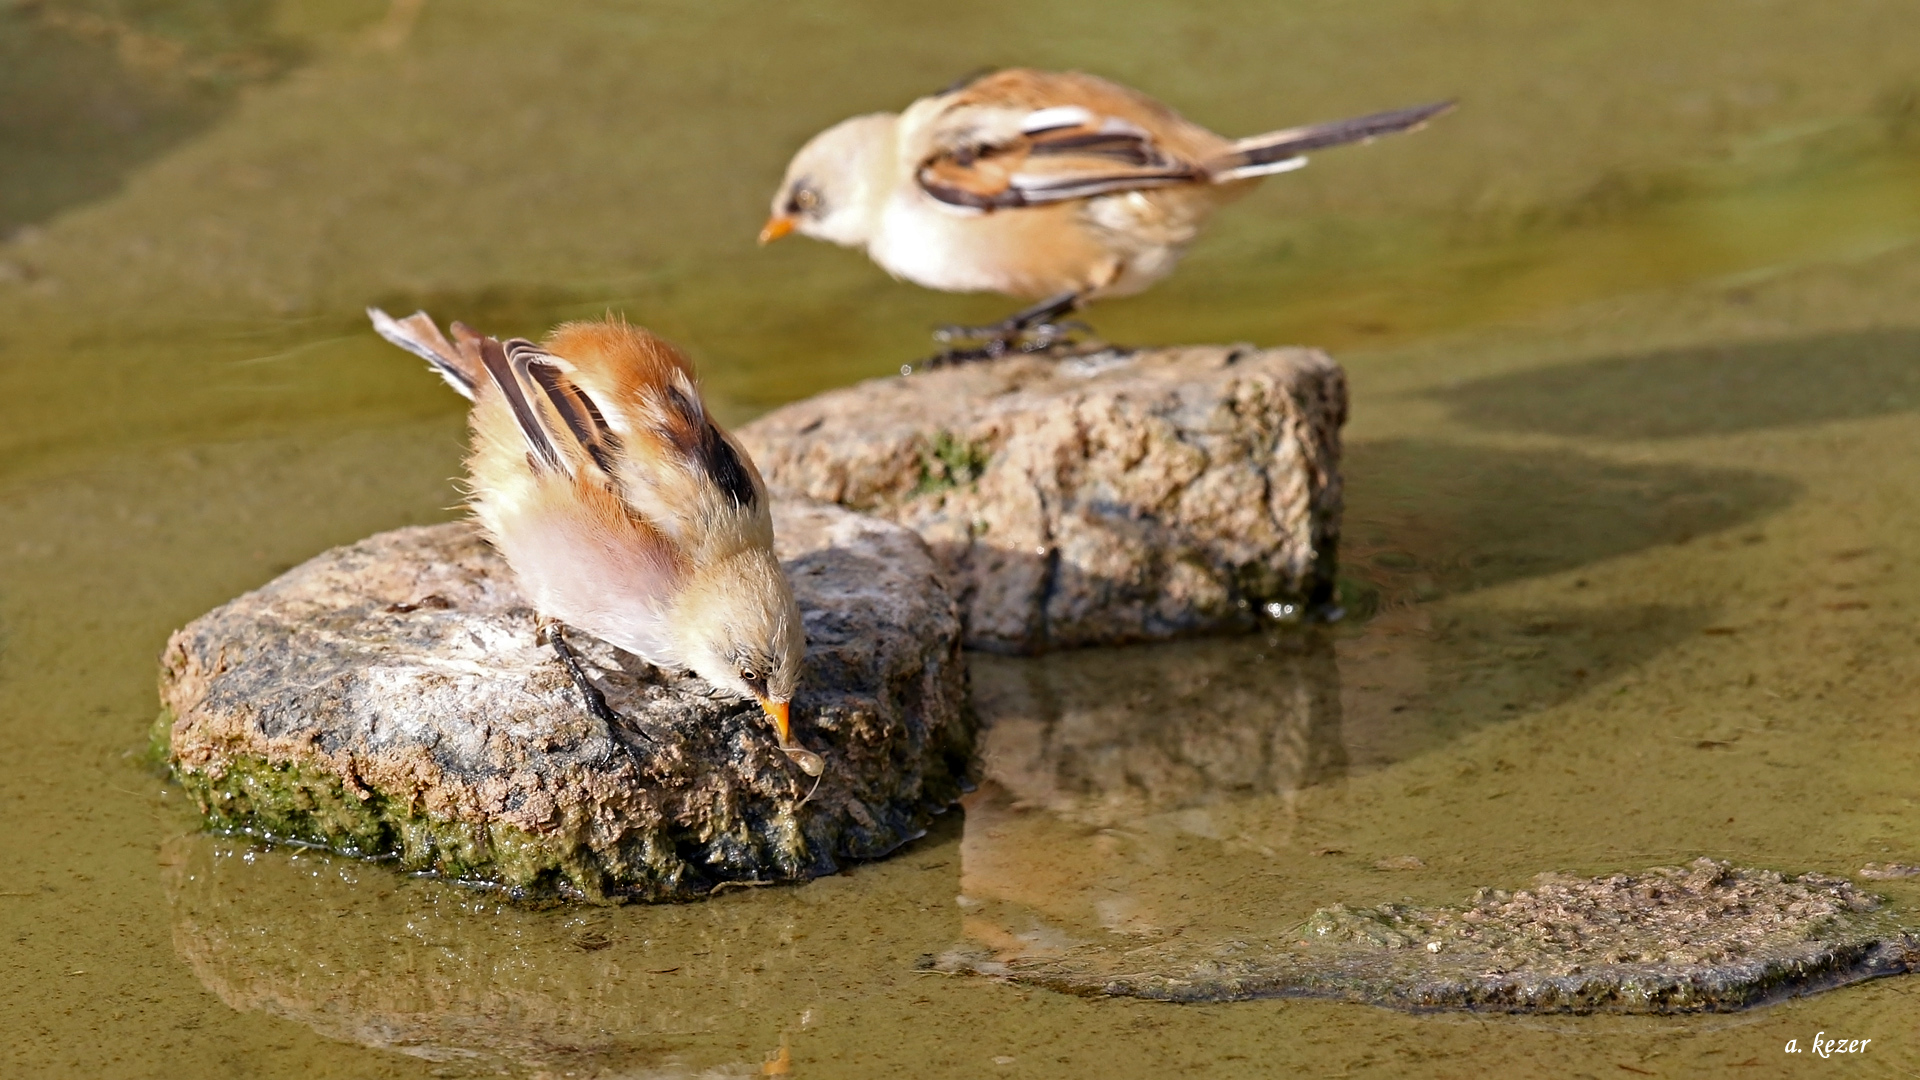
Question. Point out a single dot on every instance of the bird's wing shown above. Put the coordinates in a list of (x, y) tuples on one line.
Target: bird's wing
[(417, 334), (1026, 138), (509, 366), (680, 472), (584, 421), (1054, 154), (700, 443), (630, 401), (539, 387)]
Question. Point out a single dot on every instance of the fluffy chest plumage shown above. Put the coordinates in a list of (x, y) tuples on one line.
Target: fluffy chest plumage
[(1031, 252)]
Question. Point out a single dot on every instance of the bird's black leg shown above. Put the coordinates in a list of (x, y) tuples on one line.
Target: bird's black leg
[(1031, 329), (1045, 312), (596, 702)]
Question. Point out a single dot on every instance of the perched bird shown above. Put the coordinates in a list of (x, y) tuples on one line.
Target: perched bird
[(622, 508), (1052, 186)]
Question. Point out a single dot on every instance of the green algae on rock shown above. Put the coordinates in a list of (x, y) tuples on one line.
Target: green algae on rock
[(1707, 937), (391, 699)]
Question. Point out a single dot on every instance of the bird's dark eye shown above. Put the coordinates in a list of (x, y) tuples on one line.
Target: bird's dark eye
[(805, 201), (748, 675)]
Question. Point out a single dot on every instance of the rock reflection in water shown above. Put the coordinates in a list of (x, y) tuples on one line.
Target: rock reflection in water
[(1135, 790), (1103, 737), (437, 971)]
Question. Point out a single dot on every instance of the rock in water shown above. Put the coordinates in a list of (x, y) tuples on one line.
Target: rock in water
[(392, 699), (1092, 500), (1707, 937)]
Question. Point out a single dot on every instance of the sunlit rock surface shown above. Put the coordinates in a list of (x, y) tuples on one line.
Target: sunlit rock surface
[(1096, 499), (1674, 938), (392, 699)]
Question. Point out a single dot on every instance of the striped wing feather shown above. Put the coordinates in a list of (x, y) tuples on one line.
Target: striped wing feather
[(671, 463), (1027, 138)]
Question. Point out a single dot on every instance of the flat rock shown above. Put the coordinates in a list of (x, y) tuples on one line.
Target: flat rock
[(1707, 937), (391, 699), (1097, 499)]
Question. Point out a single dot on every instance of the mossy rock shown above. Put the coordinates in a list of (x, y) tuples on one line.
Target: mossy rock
[(392, 699)]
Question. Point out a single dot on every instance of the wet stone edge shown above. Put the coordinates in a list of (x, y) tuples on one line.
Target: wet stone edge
[(294, 804)]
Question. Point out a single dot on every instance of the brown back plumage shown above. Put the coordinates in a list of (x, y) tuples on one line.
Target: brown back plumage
[(607, 404), (1023, 138), (1031, 89), (641, 375)]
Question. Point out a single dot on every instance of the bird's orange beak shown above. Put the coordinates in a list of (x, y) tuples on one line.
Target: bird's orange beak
[(776, 227), (777, 712)]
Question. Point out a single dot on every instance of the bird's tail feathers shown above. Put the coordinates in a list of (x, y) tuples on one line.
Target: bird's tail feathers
[(1253, 169), (1286, 150), (417, 334)]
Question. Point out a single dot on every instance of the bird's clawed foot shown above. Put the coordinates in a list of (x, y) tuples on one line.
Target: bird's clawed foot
[(965, 344), (595, 701), (1039, 328)]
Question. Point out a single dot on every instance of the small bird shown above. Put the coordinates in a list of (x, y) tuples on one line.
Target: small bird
[(1053, 186), (621, 507)]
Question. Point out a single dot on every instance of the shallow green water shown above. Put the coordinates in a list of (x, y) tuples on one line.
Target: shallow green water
[(1635, 345)]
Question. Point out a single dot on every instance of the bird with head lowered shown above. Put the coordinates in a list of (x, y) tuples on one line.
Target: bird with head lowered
[(1059, 187), (621, 507)]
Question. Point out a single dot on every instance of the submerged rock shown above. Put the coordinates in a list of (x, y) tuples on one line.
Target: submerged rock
[(1706, 937), (1097, 499), (392, 699)]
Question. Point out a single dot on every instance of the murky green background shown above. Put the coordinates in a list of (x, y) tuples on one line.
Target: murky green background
[(1635, 346)]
